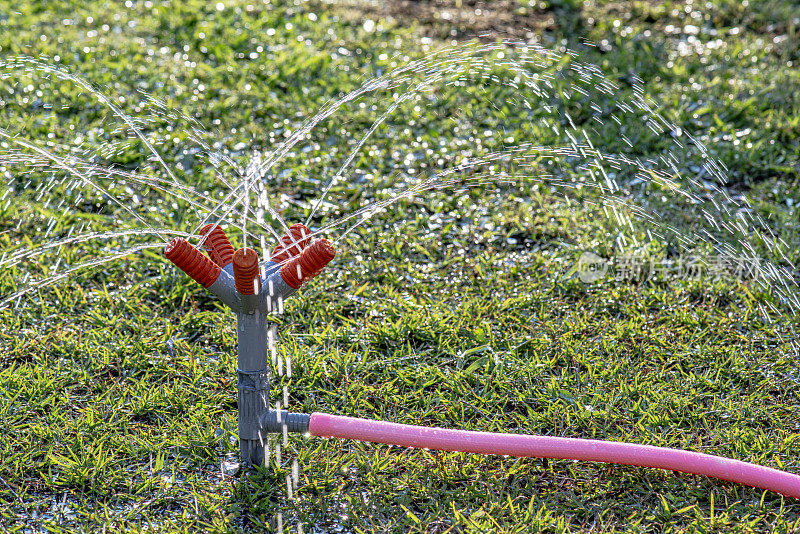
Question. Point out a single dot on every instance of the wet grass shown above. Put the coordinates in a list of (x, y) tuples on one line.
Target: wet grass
[(117, 390)]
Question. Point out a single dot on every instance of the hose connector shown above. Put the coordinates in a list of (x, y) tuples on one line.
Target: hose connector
[(274, 421)]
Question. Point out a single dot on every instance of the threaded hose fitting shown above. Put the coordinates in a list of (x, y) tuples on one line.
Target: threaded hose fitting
[(273, 421), (217, 244), (292, 244), (192, 261), (308, 264), (246, 272)]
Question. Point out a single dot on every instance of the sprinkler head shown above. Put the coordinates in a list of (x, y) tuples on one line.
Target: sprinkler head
[(295, 261), (246, 271), (217, 244), (192, 262), (282, 283), (239, 280), (291, 244), (309, 264), (202, 270)]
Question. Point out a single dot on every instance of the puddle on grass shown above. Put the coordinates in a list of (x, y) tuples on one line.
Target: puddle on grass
[(35, 512), (230, 465)]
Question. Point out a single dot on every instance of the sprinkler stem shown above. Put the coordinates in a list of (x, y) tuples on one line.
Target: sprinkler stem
[(257, 299), (252, 376)]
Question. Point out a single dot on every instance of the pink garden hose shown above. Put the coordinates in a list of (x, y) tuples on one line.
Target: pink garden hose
[(334, 426)]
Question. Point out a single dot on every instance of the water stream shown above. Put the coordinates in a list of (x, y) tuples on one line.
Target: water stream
[(476, 124)]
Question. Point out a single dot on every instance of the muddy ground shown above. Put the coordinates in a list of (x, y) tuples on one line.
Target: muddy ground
[(470, 19)]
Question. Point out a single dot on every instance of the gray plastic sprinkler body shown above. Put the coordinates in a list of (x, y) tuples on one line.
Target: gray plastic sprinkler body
[(253, 291)]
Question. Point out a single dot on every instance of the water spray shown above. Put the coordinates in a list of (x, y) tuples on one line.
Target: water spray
[(254, 290)]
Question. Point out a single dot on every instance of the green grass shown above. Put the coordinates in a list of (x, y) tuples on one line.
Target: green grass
[(117, 388)]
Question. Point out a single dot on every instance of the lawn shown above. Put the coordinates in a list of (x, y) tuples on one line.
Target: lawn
[(460, 306)]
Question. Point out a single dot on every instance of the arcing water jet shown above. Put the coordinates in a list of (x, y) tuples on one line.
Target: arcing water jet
[(293, 263)]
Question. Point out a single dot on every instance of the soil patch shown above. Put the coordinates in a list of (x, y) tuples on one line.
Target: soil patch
[(469, 19)]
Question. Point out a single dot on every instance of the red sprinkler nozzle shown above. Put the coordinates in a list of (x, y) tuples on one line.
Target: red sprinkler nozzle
[(217, 244), (292, 244), (308, 264), (192, 261), (246, 271)]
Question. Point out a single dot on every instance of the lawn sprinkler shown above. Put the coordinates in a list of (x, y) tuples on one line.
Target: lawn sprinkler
[(254, 290)]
